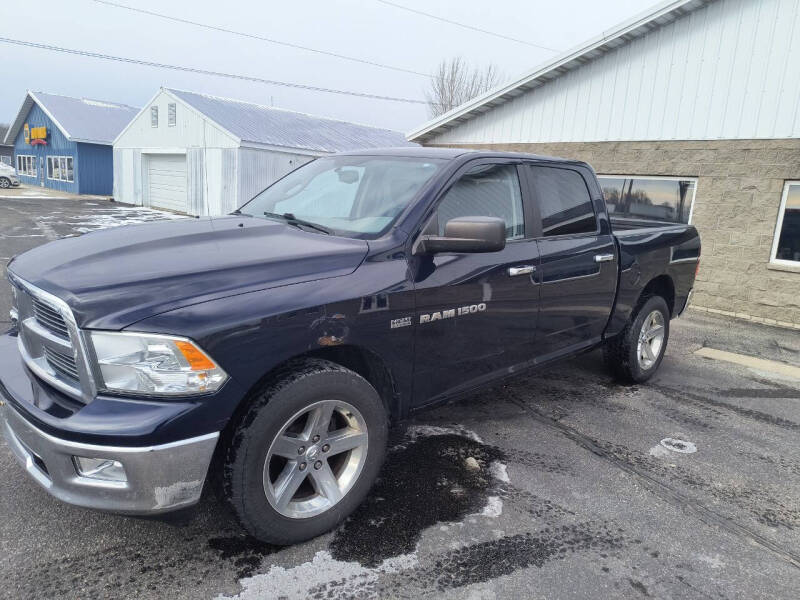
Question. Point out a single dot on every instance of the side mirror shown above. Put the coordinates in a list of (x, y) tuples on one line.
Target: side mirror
[(465, 234)]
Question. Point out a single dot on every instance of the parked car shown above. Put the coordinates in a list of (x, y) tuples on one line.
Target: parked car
[(268, 350), (8, 176)]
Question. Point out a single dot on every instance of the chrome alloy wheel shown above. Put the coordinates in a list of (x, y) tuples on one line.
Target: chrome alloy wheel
[(651, 340), (315, 459)]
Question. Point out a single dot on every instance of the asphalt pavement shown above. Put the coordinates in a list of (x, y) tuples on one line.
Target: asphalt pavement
[(561, 484)]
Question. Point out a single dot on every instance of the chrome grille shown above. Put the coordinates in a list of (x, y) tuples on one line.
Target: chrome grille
[(50, 319), (63, 364), (50, 341)]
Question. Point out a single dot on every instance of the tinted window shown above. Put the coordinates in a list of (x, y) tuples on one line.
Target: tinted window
[(486, 191), (660, 199), (564, 201), (649, 198), (613, 191), (788, 246)]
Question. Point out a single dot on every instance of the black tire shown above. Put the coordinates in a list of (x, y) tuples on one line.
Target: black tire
[(5, 183), (300, 385), (621, 353)]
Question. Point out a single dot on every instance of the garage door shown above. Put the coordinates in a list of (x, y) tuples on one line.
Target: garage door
[(166, 180)]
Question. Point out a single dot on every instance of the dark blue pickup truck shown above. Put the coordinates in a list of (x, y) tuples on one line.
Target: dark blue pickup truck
[(266, 351)]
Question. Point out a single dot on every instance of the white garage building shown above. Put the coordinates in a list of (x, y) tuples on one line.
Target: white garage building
[(204, 155)]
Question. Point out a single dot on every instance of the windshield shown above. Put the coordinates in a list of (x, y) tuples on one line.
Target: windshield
[(355, 196)]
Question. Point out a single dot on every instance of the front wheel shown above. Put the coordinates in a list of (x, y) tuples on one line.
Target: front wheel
[(635, 354), (306, 453), (5, 183)]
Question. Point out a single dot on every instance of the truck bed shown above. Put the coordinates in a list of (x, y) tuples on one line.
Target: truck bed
[(644, 248)]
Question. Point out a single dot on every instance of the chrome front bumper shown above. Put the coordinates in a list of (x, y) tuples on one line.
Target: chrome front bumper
[(159, 478)]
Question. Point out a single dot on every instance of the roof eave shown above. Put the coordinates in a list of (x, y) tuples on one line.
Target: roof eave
[(604, 42), (287, 149)]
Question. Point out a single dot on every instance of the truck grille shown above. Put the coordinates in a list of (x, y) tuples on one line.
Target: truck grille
[(50, 319), (62, 364), (50, 342)]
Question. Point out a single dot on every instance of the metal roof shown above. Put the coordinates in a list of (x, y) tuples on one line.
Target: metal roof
[(79, 119), (633, 28), (277, 127)]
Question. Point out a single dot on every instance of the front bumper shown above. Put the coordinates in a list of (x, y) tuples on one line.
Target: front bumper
[(159, 478)]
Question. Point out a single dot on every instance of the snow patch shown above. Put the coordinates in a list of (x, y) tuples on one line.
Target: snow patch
[(493, 508), (499, 471), (415, 432), (679, 446), (314, 576)]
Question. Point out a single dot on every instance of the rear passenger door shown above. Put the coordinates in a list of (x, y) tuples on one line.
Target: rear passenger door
[(578, 262)]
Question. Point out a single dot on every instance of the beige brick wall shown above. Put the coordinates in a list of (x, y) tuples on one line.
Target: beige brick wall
[(739, 189)]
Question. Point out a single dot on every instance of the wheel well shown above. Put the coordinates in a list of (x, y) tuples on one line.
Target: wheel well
[(360, 360), (660, 286)]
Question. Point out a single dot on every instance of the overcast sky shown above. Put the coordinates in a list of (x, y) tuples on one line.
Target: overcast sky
[(365, 29)]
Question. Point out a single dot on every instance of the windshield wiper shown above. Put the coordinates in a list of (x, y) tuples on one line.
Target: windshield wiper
[(292, 220)]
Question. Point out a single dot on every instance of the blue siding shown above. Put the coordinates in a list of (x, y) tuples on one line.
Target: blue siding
[(96, 169), (92, 163)]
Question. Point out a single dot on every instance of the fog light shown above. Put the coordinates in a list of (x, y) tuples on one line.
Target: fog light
[(104, 469)]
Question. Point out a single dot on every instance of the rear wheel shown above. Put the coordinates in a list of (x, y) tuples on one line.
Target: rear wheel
[(635, 354), (306, 453)]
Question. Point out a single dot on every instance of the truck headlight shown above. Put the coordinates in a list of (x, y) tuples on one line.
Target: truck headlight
[(162, 365)]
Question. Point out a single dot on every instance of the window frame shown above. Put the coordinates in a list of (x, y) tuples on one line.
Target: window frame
[(154, 117), (776, 235), (23, 161), (432, 214), (172, 114), (53, 161), (657, 178)]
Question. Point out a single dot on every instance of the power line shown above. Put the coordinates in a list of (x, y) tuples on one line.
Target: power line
[(253, 36), (465, 26), (146, 63)]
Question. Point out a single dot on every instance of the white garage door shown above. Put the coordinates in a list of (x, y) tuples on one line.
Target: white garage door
[(166, 180)]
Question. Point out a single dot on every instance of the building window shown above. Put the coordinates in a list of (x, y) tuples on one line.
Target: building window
[(564, 201), (153, 116), (171, 114), (649, 198), (26, 165), (786, 245), (59, 168)]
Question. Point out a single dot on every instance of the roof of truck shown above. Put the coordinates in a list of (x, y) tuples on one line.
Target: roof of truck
[(451, 153)]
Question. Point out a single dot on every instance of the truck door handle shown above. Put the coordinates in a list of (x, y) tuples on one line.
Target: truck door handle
[(598, 258), (523, 270)]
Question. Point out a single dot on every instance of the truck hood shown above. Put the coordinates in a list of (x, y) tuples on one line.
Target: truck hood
[(116, 277)]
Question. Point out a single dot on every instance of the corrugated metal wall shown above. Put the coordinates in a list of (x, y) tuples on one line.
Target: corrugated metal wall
[(730, 70), (195, 169), (96, 174), (260, 168), (128, 176)]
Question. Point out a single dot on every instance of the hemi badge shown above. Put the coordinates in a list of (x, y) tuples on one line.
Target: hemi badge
[(401, 322)]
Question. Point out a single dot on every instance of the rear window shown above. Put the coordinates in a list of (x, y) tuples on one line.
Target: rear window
[(564, 201)]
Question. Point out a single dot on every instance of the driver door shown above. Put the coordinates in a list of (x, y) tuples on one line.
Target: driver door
[(476, 313)]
